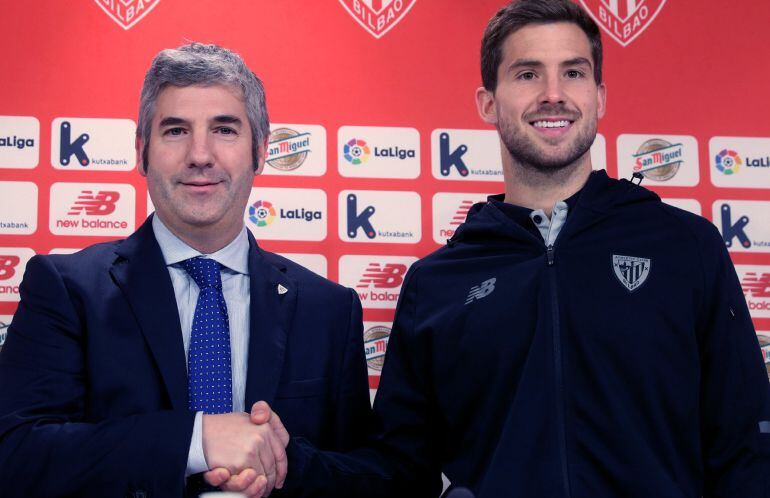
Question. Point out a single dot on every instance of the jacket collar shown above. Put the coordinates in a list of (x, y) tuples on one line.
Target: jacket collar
[(273, 304), (140, 272)]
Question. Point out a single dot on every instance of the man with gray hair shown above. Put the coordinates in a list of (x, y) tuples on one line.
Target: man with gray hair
[(129, 365)]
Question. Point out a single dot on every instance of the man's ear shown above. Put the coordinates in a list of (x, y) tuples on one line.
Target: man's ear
[(485, 103), (601, 95), (139, 146), (261, 156)]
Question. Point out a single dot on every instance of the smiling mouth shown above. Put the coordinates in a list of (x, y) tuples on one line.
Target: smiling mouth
[(548, 124)]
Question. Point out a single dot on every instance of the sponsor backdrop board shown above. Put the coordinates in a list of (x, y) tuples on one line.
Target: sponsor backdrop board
[(377, 150), (5, 321)]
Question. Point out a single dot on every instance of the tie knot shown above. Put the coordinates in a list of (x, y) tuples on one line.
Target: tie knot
[(204, 271)]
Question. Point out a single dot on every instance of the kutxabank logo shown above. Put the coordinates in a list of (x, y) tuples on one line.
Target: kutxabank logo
[(126, 13), (623, 20), (377, 16)]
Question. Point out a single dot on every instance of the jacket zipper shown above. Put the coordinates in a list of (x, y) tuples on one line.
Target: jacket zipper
[(558, 365)]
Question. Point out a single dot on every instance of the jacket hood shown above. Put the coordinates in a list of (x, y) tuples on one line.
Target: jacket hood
[(600, 196)]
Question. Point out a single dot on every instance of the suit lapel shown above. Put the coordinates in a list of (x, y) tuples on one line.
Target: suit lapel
[(142, 276), (273, 300)]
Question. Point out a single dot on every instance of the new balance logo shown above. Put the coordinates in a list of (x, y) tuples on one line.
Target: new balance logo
[(100, 203), (462, 213), (389, 276), (480, 291), (8, 265), (756, 285)]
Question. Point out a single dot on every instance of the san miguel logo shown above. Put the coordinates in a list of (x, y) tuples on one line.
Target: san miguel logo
[(126, 13), (377, 16), (623, 20)]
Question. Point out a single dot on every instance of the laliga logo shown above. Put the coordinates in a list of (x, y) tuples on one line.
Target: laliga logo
[(126, 13), (261, 213), (728, 161), (356, 151), (377, 16), (623, 20)]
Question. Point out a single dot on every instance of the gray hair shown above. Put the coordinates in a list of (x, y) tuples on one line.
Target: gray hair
[(199, 64)]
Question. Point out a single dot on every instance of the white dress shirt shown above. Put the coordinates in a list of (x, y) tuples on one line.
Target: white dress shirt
[(234, 258)]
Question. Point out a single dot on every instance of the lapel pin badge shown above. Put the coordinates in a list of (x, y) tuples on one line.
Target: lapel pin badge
[(282, 290)]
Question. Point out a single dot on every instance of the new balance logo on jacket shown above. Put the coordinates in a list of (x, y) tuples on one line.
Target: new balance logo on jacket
[(479, 291)]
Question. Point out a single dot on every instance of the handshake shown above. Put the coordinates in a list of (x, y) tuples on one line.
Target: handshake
[(246, 451)]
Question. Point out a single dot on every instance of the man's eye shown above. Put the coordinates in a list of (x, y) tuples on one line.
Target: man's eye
[(174, 132), (527, 76), (225, 130), (574, 74)]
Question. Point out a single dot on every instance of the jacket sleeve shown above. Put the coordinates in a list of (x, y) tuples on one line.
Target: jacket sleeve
[(735, 396), (400, 456), (49, 446), (352, 409)]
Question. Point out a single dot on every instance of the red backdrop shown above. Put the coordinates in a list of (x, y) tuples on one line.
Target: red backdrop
[(694, 70)]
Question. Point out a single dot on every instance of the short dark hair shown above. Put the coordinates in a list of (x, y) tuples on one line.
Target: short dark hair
[(520, 13)]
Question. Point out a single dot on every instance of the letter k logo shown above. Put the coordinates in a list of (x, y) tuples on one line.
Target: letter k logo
[(358, 220), (730, 230), (67, 147)]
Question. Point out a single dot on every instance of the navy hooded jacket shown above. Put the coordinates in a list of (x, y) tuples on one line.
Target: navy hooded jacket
[(620, 362)]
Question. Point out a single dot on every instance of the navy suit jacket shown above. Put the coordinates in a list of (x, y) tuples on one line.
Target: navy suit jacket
[(93, 384)]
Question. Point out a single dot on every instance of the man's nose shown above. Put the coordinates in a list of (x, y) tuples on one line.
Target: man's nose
[(552, 90), (199, 154)]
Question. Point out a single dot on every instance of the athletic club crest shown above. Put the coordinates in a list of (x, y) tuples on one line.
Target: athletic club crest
[(377, 16), (631, 271), (127, 12), (623, 20)]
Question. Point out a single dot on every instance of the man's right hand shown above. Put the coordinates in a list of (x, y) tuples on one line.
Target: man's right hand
[(254, 481), (233, 443)]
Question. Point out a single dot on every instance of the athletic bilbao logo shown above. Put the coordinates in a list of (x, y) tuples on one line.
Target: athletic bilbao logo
[(631, 271), (127, 12), (377, 16), (623, 20)]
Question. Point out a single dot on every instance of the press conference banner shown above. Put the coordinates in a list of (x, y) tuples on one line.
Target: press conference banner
[(377, 151)]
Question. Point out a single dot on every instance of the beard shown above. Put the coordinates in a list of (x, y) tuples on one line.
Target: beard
[(529, 155)]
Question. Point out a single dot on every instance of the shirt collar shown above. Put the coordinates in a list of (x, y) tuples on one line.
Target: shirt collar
[(234, 255)]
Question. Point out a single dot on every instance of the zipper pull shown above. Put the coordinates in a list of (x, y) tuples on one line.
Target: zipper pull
[(549, 254)]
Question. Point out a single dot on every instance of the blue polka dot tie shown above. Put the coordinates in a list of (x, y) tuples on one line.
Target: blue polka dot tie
[(210, 381)]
